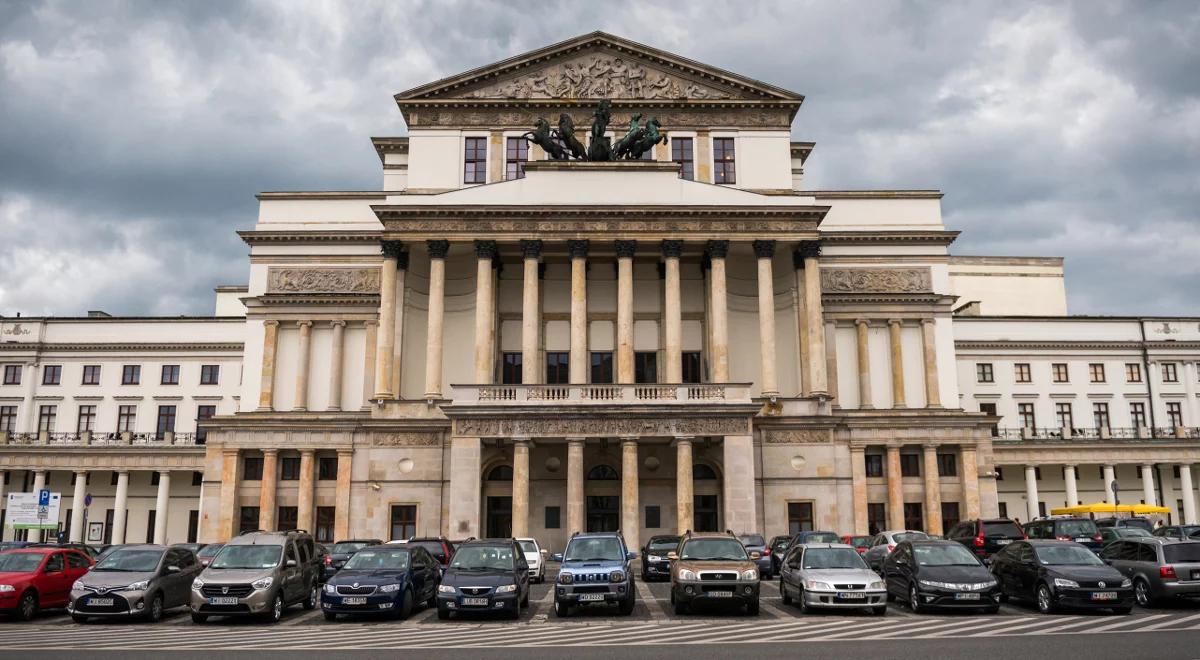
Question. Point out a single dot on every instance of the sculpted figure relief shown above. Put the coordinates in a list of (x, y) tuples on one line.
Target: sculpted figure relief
[(599, 77)]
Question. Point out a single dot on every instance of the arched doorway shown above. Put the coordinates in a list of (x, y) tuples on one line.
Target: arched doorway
[(498, 506), (706, 503), (603, 507)]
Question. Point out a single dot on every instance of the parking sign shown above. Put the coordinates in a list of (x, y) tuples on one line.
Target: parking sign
[(43, 497)]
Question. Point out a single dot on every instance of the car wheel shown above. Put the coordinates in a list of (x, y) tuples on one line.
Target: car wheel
[(626, 606), (803, 602), (314, 597), (27, 609), (199, 618), (752, 607), (525, 599), (1045, 602), (914, 600), (561, 610), (880, 610), (443, 613), (330, 616), (276, 611), (155, 612), (1141, 591), (79, 618), (783, 594), (406, 606)]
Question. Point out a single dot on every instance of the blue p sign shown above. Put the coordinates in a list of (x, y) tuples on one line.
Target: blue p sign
[(43, 497)]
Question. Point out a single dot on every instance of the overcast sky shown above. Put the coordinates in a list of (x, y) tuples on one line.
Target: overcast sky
[(133, 136)]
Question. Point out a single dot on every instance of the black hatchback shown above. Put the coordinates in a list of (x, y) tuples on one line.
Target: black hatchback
[(939, 574), (1057, 574), (382, 579), (986, 537), (654, 557), (488, 575)]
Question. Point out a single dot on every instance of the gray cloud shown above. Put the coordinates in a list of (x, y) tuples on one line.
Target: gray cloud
[(136, 134)]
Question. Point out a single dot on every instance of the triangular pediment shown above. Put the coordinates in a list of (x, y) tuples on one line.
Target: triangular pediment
[(599, 66)]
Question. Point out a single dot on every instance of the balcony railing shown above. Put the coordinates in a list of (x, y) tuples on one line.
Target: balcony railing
[(640, 393), (1105, 433), (91, 439)]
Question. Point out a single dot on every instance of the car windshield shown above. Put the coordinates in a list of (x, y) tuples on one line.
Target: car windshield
[(1182, 553), (1067, 555), (369, 560), (594, 549), (209, 550), (752, 539), (1076, 528), (910, 536), (483, 558), (528, 546), (944, 555), (781, 544), (661, 545), (822, 537), (1002, 528), (860, 541), (248, 556), (133, 561), (818, 558), (349, 547), (20, 562), (713, 550)]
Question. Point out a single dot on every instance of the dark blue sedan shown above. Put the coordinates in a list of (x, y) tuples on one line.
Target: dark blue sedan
[(382, 579)]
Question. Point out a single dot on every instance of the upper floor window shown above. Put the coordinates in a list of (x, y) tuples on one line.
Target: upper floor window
[(602, 367), (12, 374), (52, 374), (1133, 372), (1062, 413), (874, 464), (8, 419), (1022, 373), (645, 367), (210, 374), (947, 465), (723, 161), (983, 373), (1100, 415), (510, 369), (1169, 373), (86, 420), (558, 370), (681, 152), (126, 418), (1060, 373), (1175, 413), (475, 160), (131, 374), (1137, 414), (91, 374), (1096, 372), (910, 465), (691, 367), (170, 374), (516, 152), (166, 421), (327, 468), (46, 417), (1025, 413), (203, 413)]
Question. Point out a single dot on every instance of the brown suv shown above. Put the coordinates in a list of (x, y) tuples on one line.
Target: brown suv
[(710, 567)]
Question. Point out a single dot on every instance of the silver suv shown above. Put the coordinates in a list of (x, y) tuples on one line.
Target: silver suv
[(258, 574)]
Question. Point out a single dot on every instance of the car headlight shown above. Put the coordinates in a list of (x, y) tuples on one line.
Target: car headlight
[(1127, 583), (934, 584), (264, 583), (878, 584), (78, 586), (817, 585), (506, 588), (197, 584), (685, 574), (330, 589), (616, 576), (565, 578), (1066, 584), (5, 588), (389, 588), (138, 586), (445, 589), (749, 575)]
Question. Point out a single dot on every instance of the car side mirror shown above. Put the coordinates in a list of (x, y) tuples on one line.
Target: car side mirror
[(290, 563), (672, 555), (172, 569), (556, 557), (630, 556)]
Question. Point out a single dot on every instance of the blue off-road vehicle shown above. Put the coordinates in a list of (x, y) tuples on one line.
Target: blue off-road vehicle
[(595, 571)]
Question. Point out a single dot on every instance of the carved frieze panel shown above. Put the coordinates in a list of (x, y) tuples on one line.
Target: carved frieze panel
[(876, 280), (599, 427), (797, 436), (671, 118), (406, 440), (489, 227), (323, 280), (597, 77)]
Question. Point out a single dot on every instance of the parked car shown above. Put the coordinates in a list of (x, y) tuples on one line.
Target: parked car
[(711, 567), (1066, 528), (756, 543), (986, 537), (258, 574), (14, 545), (441, 549), (1132, 521), (596, 570), (141, 581), (488, 575), (194, 547), (1056, 574), (91, 551), (387, 579), (779, 546), (939, 574), (206, 554), (1110, 534), (343, 550), (35, 579), (534, 557), (654, 557), (1181, 532), (860, 543), (819, 575), (1162, 569), (321, 553), (883, 543), (814, 537)]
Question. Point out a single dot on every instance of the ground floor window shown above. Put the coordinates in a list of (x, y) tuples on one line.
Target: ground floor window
[(404, 521), (289, 518), (248, 519), (553, 517), (653, 517), (876, 517), (150, 526), (325, 520), (603, 513), (913, 516), (950, 514), (193, 525), (800, 517), (705, 509), (1003, 510)]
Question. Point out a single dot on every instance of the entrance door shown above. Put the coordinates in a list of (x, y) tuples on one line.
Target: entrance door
[(705, 509), (499, 517), (603, 513)]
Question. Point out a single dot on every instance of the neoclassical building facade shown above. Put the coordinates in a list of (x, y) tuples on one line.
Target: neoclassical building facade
[(497, 343)]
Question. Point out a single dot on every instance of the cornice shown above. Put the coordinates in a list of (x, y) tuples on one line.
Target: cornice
[(1072, 345), (276, 299), (271, 195), (516, 211), (260, 237), (132, 347), (386, 145), (873, 194), (888, 237)]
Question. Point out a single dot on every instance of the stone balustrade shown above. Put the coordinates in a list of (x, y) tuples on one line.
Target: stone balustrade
[(1028, 434), (88, 438), (605, 394)]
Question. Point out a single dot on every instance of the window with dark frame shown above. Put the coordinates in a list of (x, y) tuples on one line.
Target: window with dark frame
[(645, 367), (86, 420), (950, 514), (1133, 372), (602, 367), (404, 521), (210, 374), (681, 152), (1063, 416), (1100, 415), (289, 468), (876, 517), (1096, 372), (983, 373), (150, 526), (914, 517), (510, 368), (800, 517), (8, 420), (126, 418), (1022, 373), (910, 465), (1170, 373), (947, 465), (1175, 413), (12, 374), (516, 154), (723, 161), (252, 468), (1137, 414), (1026, 415), (327, 468), (203, 413), (288, 518), (91, 374), (1060, 372), (52, 374), (248, 519), (692, 369), (653, 516), (131, 374), (170, 374), (874, 464), (553, 517), (475, 160), (166, 421), (46, 417), (326, 517), (558, 368)]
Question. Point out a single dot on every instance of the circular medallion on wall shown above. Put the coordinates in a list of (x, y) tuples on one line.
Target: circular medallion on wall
[(798, 463), (552, 464), (652, 463), (406, 465)]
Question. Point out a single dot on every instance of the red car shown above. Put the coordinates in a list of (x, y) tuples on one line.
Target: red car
[(33, 579), (859, 543)]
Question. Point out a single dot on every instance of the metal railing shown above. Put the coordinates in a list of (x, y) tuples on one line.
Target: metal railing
[(1021, 434), (639, 393), (93, 439)]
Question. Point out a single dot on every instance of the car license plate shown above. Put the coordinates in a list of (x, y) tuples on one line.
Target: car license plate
[(223, 600), (1003, 541), (966, 596), (590, 597), (719, 594), (1104, 595), (100, 602), (354, 601), (851, 595), (1083, 539), (475, 601)]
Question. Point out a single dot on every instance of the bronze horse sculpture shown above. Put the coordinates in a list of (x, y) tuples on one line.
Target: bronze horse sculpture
[(566, 135), (543, 136)]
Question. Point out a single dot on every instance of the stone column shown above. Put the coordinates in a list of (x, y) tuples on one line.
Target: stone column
[(1069, 477), (372, 328), (336, 357), (464, 509), (266, 391), (684, 503), (437, 307), (807, 255), (672, 314), (933, 492), (302, 362), (162, 507), (740, 495), (933, 397), (717, 251), (227, 513), (970, 481), (531, 318), (630, 523), (831, 365), (897, 348), (78, 508), (625, 250), (39, 483), (385, 342), (575, 501), (266, 494), (341, 498), (1031, 492), (858, 478), (864, 364), (520, 488), (1187, 494), (304, 501), (765, 251), (485, 315), (1148, 485), (1110, 475), (579, 321), (895, 488), (120, 504)]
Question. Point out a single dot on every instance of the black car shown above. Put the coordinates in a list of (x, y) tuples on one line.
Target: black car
[(1056, 574), (1066, 528), (939, 574), (778, 546), (441, 549), (389, 579), (655, 564), (343, 550), (986, 537), (486, 575)]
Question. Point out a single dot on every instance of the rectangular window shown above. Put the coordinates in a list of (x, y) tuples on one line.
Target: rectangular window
[(1025, 413), (983, 373), (475, 160), (52, 374), (1133, 372), (131, 374), (947, 465), (910, 465), (289, 518), (516, 153), (950, 514), (723, 161), (800, 517), (46, 417), (252, 468), (1059, 370), (1022, 372), (1003, 509), (248, 519), (170, 374), (126, 418), (876, 517), (681, 152), (645, 367), (87, 419), (193, 526), (653, 517), (166, 421), (510, 368), (1175, 413), (1062, 415), (558, 368), (1096, 372), (1169, 373), (1137, 414), (289, 468), (691, 367), (990, 409), (91, 374), (913, 516), (197, 478), (404, 521), (203, 413), (210, 374), (8, 419), (1100, 415), (325, 519), (12, 374), (602, 367), (327, 468), (150, 526), (553, 517), (874, 465)]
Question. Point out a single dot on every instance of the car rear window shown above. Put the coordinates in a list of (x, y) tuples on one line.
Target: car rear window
[(1182, 553), (910, 536), (1001, 528), (209, 550), (526, 546), (435, 548), (1140, 523), (822, 537), (664, 544), (752, 539), (349, 547), (1077, 528)]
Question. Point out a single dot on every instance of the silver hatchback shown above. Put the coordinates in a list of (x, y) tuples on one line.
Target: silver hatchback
[(135, 581), (833, 575)]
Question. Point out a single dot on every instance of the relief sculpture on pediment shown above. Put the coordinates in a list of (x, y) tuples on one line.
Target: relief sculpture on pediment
[(323, 280), (598, 77), (876, 280)]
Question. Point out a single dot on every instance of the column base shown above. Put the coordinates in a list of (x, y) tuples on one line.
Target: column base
[(300, 409), (382, 395)]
